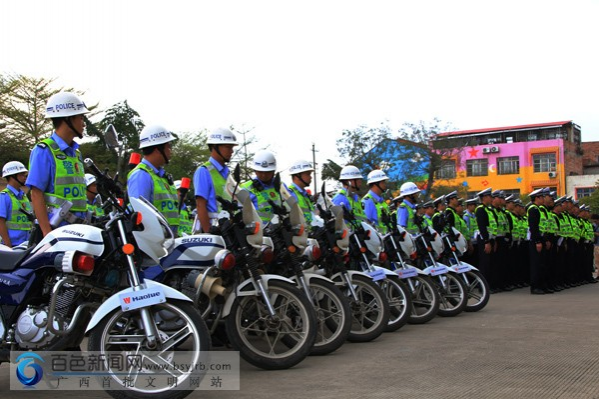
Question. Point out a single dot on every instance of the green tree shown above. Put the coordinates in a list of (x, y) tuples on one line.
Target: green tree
[(431, 157), (592, 200), (356, 145), (23, 108), (189, 152)]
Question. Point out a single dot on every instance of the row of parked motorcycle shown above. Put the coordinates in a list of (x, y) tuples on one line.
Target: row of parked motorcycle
[(275, 293)]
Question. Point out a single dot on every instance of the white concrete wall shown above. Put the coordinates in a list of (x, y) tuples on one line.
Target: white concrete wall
[(572, 182)]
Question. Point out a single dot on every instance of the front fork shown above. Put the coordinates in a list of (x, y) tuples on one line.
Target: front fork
[(146, 316)]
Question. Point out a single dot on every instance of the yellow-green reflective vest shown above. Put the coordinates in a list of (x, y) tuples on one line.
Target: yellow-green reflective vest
[(542, 221), (472, 224), (411, 226), (264, 210), (18, 220), (165, 195), (492, 227), (185, 223), (304, 203), (219, 183), (382, 208), (95, 210), (69, 179), (356, 205)]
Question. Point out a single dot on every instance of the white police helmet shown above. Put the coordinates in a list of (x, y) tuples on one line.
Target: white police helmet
[(264, 161), (350, 172), (300, 166), (89, 179), (222, 136), (155, 135), (376, 176), (13, 168), (408, 188), (65, 104)]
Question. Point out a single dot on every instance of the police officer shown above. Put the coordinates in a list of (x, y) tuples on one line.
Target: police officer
[(429, 211), (451, 213), (438, 218), (351, 179), (376, 209), (149, 179), (261, 187), (523, 264), (56, 171), (94, 201), (470, 219), (301, 178), (539, 245), (210, 179), (486, 220), (185, 223), (409, 193), (560, 245), (14, 225)]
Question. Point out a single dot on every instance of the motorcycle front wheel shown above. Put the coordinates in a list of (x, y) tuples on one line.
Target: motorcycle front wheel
[(370, 310), (400, 302), (478, 291), (453, 294), (425, 300), (183, 338), (273, 342), (333, 317)]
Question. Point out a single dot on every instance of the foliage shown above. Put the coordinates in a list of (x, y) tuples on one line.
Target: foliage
[(356, 145), (424, 133), (126, 122), (189, 152), (592, 200), (23, 108)]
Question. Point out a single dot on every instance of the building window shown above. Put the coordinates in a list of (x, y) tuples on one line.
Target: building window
[(544, 162), (508, 166), (582, 192), (447, 170), (515, 192), (477, 167)]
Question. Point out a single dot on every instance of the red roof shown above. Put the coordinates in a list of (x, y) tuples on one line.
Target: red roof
[(497, 129)]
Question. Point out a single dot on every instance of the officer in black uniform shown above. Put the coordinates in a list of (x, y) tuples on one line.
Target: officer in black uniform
[(538, 245), (487, 229)]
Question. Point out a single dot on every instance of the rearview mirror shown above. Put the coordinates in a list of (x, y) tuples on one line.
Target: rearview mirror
[(111, 137), (237, 173)]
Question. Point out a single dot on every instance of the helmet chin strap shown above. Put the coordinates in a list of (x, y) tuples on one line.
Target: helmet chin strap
[(225, 160), (299, 176), (70, 125), (161, 149)]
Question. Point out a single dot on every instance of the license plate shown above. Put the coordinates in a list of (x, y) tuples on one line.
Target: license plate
[(377, 275), (437, 271), (461, 268), (406, 273), (142, 298)]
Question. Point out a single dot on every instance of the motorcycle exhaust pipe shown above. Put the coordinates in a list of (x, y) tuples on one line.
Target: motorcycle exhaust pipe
[(211, 286)]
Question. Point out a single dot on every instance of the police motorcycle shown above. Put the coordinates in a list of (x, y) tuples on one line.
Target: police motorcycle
[(366, 253), (368, 304), (264, 316), (401, 249), (84, 280), (451, 289), (294, 253), (475, 283)]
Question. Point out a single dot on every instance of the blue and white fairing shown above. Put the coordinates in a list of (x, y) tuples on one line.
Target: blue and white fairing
[(76, 237), (193, 251)]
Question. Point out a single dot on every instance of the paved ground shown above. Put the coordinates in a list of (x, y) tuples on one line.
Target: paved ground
[(519, 346)]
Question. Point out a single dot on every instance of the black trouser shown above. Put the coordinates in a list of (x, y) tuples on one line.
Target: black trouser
[(523, 262), (562, 264), (484, 262), (572, 268), (500, 264), (537, 266), (551, 277)]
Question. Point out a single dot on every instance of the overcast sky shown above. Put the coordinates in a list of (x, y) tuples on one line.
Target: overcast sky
[(301, 72)]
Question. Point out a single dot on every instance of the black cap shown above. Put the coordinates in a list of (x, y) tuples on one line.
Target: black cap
[(472, 201), (498, 194), (428, 204)]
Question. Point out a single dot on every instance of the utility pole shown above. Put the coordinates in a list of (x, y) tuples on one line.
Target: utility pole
[(315, 172)]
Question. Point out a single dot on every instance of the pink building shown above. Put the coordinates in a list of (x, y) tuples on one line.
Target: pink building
[(516, 159)]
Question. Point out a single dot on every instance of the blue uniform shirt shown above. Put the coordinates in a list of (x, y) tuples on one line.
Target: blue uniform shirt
[(403, 214), (42, 168), (342, 200), (16, 236), (370, 207), (204, 186)]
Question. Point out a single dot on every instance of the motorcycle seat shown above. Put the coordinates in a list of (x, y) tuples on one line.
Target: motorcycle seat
[(9, 259)]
